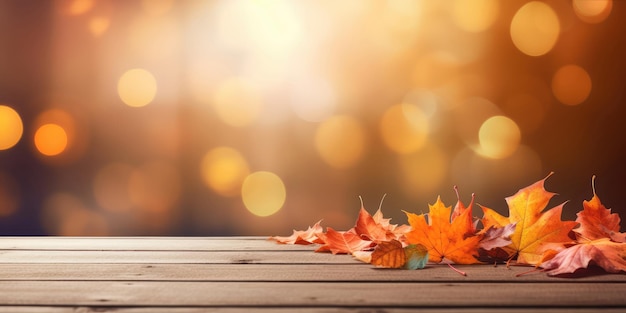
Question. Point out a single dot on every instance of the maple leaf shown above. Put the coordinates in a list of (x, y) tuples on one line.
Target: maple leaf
[(302, 237), (444, 238), (596, 221), (535, 231), (343, 242), (598, 240), (367, 227), (609, 255), (377, 228)]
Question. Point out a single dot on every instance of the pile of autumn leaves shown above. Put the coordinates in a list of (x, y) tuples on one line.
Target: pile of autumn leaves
[(528, 236)]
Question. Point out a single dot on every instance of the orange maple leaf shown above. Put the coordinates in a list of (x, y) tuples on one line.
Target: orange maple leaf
[(376, 228), (596, 221), (535, 231), (343, 242), (599, 240), (452, 240), (302, 237)]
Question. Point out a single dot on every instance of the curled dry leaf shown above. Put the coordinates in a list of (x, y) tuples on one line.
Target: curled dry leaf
[(609, 255), (302, 237), (599, 241), (392, 254)]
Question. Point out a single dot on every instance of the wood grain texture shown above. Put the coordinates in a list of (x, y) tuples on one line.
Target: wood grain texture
[(341, 272), (147, 244), (342, 294), (252, 274)]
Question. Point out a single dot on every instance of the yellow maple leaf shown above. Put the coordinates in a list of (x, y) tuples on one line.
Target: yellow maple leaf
[(536, 230)]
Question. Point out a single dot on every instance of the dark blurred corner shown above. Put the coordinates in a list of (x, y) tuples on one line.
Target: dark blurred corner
[(225, 117)]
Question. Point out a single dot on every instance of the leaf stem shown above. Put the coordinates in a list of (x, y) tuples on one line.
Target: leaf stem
[(528, 272), (457, 270)]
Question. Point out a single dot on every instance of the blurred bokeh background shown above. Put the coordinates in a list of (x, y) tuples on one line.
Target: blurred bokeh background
[(255, 117)]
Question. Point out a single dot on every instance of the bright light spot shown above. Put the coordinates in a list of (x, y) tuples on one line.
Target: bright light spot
[(11, 127), (78, 7), (571, 84), (263, 193), (99, 25), (269, 28), (499, 137), (340, 141), (155, 187), (223, 170), (404, 128), (9, 195), (535, 28), (110, 187), (593, 11), (313, 99), (66, 215), (475, 15), (157, 7), (137, 87), (50, 139), (237, 103), (423, 172)]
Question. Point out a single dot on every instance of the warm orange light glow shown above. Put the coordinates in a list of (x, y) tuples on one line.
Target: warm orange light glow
[(157, 7), (50, 139), (404, 128), (535, 28), (593, 11), (99, 25), (137, 87), (340, 141), (571, 84), (78, 7), (11, 127), (263, 193), (475, 15), (223, 170), (527, 110), (237, 103), (499, 137), (423, 172)]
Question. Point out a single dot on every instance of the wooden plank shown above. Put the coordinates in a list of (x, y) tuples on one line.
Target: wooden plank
[(179, 257), (147, 243), (311, 294), (283, 272), (100, 309)]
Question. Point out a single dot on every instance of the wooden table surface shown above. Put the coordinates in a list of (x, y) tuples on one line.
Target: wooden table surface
[(252, 274)]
